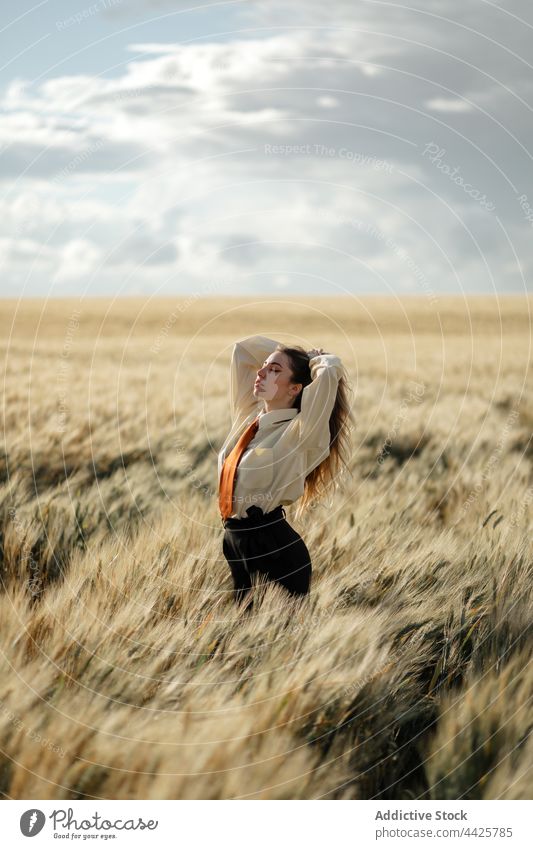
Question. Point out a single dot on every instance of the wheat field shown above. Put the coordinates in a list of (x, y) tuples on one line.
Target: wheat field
[(127, 671)]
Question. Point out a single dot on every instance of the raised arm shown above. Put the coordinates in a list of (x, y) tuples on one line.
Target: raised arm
[(247, 357), (318, 400)]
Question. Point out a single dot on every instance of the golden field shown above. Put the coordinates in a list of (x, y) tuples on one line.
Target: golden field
[(127, 672)]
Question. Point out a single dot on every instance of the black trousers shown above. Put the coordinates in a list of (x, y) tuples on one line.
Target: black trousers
[(265, 543)]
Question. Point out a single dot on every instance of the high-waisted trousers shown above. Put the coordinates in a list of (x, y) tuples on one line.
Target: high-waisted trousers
[(266, 543)]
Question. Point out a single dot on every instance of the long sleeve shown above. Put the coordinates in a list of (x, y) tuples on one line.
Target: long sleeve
[(318, 400), (247, 357)]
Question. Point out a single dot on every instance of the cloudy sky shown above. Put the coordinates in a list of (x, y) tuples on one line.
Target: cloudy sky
[(356, 146)]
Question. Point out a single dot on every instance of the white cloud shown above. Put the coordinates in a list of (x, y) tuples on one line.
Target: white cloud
[(165, 164), (22, 251), (327, 102), (443, 104), (78, 259), (371, 70)]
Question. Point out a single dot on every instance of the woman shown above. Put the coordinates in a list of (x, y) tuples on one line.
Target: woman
[(289, 434)]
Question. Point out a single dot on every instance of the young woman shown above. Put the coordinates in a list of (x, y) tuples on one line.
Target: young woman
[(290, 433)]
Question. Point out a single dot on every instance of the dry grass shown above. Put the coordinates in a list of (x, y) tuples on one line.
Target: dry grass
[(126, 670)]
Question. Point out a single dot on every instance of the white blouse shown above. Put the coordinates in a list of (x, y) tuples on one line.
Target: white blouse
[(289, 443)]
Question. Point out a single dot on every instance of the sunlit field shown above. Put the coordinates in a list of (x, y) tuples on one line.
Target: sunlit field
[(127, 670)]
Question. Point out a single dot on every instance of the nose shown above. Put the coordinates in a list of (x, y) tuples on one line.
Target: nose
[(261, 373)]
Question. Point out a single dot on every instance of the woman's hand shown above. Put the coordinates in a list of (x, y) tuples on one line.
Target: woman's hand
[(314, 352)]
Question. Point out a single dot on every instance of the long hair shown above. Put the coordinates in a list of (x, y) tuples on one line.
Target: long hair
[(341, 422)]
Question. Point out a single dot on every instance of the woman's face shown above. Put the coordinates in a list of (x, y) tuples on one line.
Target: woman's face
[(274, 381)]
